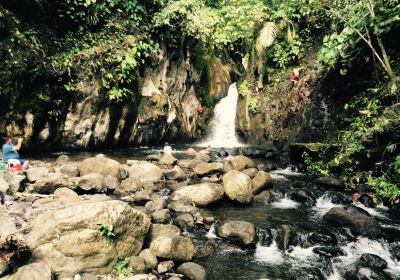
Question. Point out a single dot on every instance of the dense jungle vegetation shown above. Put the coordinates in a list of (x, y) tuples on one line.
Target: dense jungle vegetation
[(73, 40)]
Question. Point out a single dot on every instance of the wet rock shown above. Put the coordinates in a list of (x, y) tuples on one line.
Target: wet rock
[(34, 271), (359, 223), (173, 247), (261, 181), (36, 173), (157, 230), (321, 238), (372, 261), (175, 174), (101, 165), (165, 266), (71, 170), (167, 160), (185, 222), (110, 182), (92, 182), (303, 197), (238, 231), (286, 236), (339, 198), (200, 194), (137, 264), (162, 216), (192, 271), (129, 185), (70, 241), (204, 169), (364, 273), (145, 171), (240, 162), (268, 196), (251, 172), (149, 258), (331, 182), (238, 186), (329, 252), (179, 207), (15, 180), (50, 183)]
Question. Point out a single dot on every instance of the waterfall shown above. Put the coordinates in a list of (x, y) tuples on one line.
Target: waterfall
[(223, 125)]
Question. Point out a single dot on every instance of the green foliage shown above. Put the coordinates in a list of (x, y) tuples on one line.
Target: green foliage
[(315, 166), (244, 88), (106, 230), (122, 268), (252, 105), (384, 187)]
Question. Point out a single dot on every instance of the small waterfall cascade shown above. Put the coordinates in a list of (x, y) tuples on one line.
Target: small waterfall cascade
[(224, 123)]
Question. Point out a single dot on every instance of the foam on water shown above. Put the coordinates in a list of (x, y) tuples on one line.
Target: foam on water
[(268, 254), (211, 232), (324, 204), (285, 203), (371, 211), (287, 171)]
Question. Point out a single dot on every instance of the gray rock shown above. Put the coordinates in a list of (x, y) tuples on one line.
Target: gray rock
[(238, 186), (331, 182), (179, 207), (261, 181), (4, 186), (251, 172), (240, 163), (175, 174), (165, 266), (156, 204), (241, 232), (202, 157), (137, 264), (71, 170), (162, 216), (204, 168), (157, 230), (173, 247), (185, 222), (15, 180), (188, 163), (129, 185), (200, 194), (34, 271), (36, 173), (66, 195), (49, 184), (62, 159), (149, 258), (192, 271), (286, 236), (110, 182), (70, 241), (100, 165), (92, 182), (145, 171), (167, 160)]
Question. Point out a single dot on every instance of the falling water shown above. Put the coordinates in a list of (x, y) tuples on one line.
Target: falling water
[(223, 125)]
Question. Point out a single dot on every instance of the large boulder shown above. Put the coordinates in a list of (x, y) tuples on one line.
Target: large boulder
[(192, 271), (204, 168), (88, 237), (251, 172), (330, 182), (92, 182), (286, 236), (173, 247), (33, 271), (70, 169), (167, 160), (149, 258), (238, 186), (188, 163), (145, 171), (101, 165), (36, 173), (240, 232), (4, 186), (202, 157), (50, 183), (157, 230), (261, 181), (200, 194), (241, 162), (15, 180), (359, 223), (129, 185), (372, 261)]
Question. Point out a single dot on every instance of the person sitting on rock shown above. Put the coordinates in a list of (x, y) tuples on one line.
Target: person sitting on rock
[(222, 154), (296, 75), (191, 151), (167, 149), (259, 87), (11, 155)]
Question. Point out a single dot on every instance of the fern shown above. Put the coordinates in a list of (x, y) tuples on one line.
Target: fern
[(267, 36)]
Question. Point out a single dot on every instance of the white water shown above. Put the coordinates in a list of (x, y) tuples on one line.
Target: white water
[(223, 125), (285, 203), (324, 204)]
